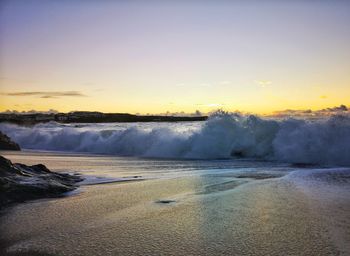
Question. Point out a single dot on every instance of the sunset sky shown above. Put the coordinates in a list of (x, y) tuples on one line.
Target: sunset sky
[(158, 56)]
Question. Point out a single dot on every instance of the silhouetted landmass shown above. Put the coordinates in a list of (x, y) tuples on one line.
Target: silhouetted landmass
[(19, 182), (7, 144), (93, 117)]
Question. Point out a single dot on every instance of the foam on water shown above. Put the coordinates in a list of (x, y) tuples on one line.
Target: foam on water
[(223, 135)]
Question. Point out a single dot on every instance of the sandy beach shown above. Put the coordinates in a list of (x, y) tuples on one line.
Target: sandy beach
[(234, 211)]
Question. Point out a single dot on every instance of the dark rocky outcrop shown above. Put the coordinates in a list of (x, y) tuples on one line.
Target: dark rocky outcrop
[(19, 182), (92, 117), (7, 144)]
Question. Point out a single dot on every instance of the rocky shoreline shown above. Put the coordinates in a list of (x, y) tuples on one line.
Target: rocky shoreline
[(7, 144), (19, 182)]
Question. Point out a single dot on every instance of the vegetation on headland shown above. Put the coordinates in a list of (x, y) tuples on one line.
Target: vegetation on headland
[(92, 117)]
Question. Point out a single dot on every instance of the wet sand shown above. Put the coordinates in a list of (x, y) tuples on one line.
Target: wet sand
[(218, 213), (270, 217)]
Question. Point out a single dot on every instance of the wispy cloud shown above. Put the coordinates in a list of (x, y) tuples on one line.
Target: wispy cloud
[(263, 83), (50, 111), (342, 109), (47, 94), (225, 82)]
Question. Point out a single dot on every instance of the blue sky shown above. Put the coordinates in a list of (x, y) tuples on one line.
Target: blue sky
[(133, 56)]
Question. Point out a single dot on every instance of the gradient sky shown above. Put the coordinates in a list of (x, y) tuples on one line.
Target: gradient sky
[(158, 56)]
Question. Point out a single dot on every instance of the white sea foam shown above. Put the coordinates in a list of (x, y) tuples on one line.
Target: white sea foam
[(223, 135)]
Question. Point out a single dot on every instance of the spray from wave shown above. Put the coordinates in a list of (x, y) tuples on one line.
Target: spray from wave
[(223, 135)]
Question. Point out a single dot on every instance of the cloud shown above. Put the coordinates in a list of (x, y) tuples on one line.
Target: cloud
[(48, 97), (263, 83), (50, 111), (225, 82), (342, 109), (47, 94)]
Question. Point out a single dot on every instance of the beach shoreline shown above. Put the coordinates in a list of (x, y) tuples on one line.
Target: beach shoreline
[(257, 211)]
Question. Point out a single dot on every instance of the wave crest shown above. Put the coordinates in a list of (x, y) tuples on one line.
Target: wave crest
[(223, 135)]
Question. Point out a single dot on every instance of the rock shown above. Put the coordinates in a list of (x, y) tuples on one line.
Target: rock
[(165, 201), (19, 182), (7, 144)]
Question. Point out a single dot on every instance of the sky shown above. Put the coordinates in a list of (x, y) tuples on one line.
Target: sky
[(157, 56)]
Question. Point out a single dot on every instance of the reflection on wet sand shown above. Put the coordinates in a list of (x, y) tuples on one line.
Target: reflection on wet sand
[(258, 219), (237, 211)]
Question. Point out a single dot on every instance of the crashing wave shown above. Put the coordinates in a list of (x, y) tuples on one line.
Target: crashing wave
[(223, 135)]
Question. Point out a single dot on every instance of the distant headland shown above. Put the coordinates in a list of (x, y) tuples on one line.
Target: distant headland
[(92, 117)]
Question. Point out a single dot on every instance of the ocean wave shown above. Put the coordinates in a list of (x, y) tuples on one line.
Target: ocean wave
[(223, 135)]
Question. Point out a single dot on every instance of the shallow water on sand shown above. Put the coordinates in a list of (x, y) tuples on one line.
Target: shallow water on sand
[(182, 208)]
